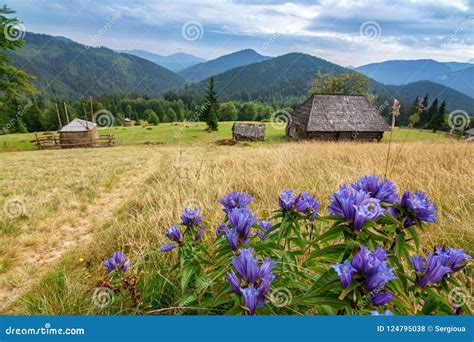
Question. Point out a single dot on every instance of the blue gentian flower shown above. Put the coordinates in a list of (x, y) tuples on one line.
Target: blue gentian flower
[(246, 265), (356, 206), (118, 261), (168, 247), (250, 295), (286, 201), (432, 270), (241, 219), (371, 267), (344, 271), (191, 217), (307, 204), (235, 200), (198, 234), (386, 313), (221, 229), (452, 257), (264, 226), (383, 190), (381, 298), (255, 279), (233, 238), (234, 282), (419, 206), (173, 233)]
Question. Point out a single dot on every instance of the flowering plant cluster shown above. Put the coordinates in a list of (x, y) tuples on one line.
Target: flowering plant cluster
[(363, 258)]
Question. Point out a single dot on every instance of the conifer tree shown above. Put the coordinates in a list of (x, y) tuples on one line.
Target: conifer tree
[(210, 113)]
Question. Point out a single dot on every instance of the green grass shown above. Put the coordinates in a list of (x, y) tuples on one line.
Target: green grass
[(194, 133)]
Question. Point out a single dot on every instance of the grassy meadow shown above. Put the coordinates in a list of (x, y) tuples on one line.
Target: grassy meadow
[(83, 204), (194, 133)]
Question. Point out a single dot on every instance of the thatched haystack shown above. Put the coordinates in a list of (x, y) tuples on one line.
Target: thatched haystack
[(127, 122), (337, 117), (79, 133), (247, 131)]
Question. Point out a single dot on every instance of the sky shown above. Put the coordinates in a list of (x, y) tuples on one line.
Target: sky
[(349, 33)]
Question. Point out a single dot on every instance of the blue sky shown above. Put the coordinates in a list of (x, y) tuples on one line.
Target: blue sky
[(344, 32)]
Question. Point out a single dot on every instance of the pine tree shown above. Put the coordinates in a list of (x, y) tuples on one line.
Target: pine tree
[(437, 121), (431, 113), (424, 115), (210, 113), (14, 82)]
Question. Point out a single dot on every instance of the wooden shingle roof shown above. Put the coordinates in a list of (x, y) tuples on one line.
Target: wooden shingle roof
[(339, 113)]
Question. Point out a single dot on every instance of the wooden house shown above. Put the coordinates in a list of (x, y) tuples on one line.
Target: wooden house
[(336, 117)]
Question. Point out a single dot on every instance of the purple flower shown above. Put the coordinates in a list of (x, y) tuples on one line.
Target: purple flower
[(452, 257), (173, 233), (233, 239), (344, 271), (246, 265), (221, 229), (264, 226), (433, 270), (356, 206), (191, 217), (242, 220), (286, 201), (383, 190), (386, 313), (118, 261), (381, 298), (307, 204), (198, 234), (256, 279), (250, 295), (235, 200), (234, 282), (419, 206), (168, 247), (418, 263), (373, 268)]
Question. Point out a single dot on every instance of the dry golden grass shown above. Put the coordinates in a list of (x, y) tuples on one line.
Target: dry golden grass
[(201, 175)]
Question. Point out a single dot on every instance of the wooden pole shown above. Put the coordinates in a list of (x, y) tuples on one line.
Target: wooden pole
[(65, 110), (85, 114), (59, 116), (92, 108)]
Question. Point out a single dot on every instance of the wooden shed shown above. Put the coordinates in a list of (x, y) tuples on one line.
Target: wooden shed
[(469, 134), (247, 131), (79, 133), (337, 117)]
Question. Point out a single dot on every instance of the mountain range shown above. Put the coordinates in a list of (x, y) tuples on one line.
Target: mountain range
[(459, 76), (221, 64), (175, 62), (64, 68)]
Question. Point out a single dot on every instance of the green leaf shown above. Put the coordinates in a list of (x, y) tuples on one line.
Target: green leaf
[(415, 237), (331, 233), (187, 274)]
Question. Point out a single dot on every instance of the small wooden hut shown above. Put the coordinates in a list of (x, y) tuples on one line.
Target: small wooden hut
[(127, 122), (79, 133), (337, 117), (469, 134), (247, 131)]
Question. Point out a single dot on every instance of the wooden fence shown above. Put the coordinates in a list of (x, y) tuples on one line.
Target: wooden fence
[(54, 142)]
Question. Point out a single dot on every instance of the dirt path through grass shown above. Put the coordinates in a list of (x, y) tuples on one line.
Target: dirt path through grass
[(76, 227)]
